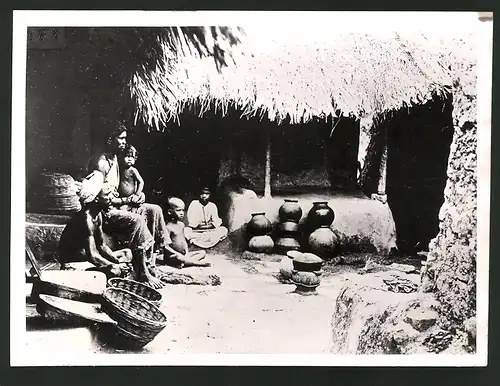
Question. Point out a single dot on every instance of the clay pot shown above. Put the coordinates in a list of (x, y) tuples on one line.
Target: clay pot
[(259, 225), (320, 215), (261, 244), (323, 242), (288, 228), (286, 268), (290, 211), (306, 279), (307, 262), (285, 244)]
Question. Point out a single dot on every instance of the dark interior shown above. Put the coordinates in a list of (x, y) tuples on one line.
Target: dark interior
[(418, 149), (182, 159)]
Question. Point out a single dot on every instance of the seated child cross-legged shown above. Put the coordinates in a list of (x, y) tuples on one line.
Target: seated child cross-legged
[(180, 256), (205, 229)]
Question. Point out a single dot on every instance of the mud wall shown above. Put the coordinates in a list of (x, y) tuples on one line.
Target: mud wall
[(452, 254)]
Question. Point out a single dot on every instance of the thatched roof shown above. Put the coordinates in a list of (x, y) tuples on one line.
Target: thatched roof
[(335, 73)]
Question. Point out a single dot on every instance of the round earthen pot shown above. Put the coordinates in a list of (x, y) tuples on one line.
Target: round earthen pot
[(261, 244), (320, 215), (288, 228), (285, 244), (290, 211), (306, 279), (286, 268), (307, 262), (323, 242), (259, 225)]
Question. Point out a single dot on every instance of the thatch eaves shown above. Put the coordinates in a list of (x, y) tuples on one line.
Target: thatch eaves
[(345, 73)]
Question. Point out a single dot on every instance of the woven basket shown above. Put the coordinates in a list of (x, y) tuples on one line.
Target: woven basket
[(137, 318), (137, 288)]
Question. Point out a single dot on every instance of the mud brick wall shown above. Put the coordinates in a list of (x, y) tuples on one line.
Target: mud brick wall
[(452, 254)]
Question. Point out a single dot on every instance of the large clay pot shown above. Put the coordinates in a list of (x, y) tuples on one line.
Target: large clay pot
[(290, 211), (261, 244), (285, 244), (259, 225), (288, 228), (320, 215), (323, 242)]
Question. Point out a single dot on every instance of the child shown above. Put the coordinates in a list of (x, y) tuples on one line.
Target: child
[(131, 182), (181, 257), (205, 228)]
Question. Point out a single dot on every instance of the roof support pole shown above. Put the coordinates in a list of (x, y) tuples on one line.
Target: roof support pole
[(382, 180), (267, 176)]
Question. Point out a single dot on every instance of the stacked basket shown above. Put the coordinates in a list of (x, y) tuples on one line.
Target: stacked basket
[(56, 194), (133, 306)]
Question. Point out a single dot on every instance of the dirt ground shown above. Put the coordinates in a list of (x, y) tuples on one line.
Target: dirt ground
[(251, 312)]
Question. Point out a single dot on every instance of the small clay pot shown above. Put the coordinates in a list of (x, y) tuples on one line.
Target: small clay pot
[(259, 225), (286, 268), (320, 215), (323, 242), (288, 228), (290, 211), (307, 262), (285, 244), (261, 244)]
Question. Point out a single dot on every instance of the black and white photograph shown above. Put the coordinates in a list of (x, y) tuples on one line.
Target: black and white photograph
[(250, 188)]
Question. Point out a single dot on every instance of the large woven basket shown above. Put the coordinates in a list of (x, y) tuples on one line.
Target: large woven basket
[(139, 321), (137, 288)]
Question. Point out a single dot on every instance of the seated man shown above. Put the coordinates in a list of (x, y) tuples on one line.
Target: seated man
[(83, 237), (180, 256), (205, 228)]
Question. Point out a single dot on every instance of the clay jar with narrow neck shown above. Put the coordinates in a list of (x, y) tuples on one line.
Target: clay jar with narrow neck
[(259, 225), (290, 211), (320, 215)]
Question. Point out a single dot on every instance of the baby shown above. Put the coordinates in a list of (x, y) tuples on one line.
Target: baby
[(131, 182), (178, 243)]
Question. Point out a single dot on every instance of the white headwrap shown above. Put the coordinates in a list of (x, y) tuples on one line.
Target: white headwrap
[(91, 186)]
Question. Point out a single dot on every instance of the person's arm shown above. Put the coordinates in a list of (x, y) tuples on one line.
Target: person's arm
[(91, 249), (104, 250), (140, 181), (216, 220), (193, 216)]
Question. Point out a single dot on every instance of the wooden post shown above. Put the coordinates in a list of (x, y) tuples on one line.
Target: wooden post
[(267, 177), (382, 181)]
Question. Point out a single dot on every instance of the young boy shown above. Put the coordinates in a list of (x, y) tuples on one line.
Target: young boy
[(205, 228), (181, 257), (131, 182)]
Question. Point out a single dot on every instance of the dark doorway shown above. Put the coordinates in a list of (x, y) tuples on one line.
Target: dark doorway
[(418, 148)]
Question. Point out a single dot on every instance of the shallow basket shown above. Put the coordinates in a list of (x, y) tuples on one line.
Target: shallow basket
[(137, 288), (137, 318)]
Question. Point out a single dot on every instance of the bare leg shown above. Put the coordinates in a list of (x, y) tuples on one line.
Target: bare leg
[(143, 272), (190, 259)]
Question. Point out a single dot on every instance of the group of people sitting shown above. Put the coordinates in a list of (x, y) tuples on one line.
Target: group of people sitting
[(118, 232)]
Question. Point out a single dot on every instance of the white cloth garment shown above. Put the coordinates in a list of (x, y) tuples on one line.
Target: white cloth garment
[(198, 214)]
